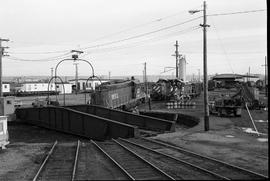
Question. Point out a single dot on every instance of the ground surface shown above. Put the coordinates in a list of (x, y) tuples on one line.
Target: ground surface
[(70, 99), (226, 139), (24, 154)]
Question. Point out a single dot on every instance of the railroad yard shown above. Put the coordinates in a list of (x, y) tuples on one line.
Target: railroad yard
[(75, 106), (75, 157)]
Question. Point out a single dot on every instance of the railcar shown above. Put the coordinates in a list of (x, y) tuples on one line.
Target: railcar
[(174, 89), (123, 95), (193, 89), (166, 89)]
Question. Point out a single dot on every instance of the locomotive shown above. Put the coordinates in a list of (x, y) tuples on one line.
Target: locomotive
[(173, 89), (123, 95)]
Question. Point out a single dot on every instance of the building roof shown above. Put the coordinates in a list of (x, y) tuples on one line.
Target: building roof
[(37, 82), (227, 76), (231, 76), (94, 79)]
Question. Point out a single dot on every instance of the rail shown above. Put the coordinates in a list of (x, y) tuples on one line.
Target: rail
[(233, 168), (217, 176), (130, 167), (45, 161), (115, 162), (75, 161)]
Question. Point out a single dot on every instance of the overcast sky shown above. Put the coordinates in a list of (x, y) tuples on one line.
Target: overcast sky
[(120, 35)]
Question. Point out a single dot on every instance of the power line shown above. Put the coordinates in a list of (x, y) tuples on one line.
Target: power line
[(238, 12), (109, 49), (116, 41), (141, 35), (47, 52), (139, 25), (109, 35), (241, 52), (40, 60), (223, 48), (151, 40)]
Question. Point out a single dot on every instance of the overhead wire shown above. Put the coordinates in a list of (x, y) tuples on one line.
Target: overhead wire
[(123, 40), (109, 35), (222, 46), (141, 35), (238, 12), (139, 43), (140, 25), (45, 52), (40, 60), (137, 36)]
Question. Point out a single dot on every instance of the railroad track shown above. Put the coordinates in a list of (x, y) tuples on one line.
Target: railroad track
[(59, 163), (133, 159), (132, 164), (216, 167)]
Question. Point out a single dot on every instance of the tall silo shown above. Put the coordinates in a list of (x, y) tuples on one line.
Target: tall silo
[(182, 67)]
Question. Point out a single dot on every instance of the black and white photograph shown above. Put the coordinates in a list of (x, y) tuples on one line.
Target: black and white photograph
[(133, 90)]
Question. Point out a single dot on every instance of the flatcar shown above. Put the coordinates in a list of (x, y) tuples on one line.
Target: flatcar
[(123, 95)]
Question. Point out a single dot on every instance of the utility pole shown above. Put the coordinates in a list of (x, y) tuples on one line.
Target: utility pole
[(205, 77), (52, 72), (76, 77), (2, 51), (52, 77), (146, 88), (265, 76), (248, 73), (109, 75), (145, 80), (176, 58), (199, 75)]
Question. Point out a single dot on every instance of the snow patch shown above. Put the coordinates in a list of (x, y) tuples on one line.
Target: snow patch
[(250, 130), (261, 121), (262, 139)]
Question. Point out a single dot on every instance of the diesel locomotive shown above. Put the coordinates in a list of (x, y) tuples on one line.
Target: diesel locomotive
[(123, 95)]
